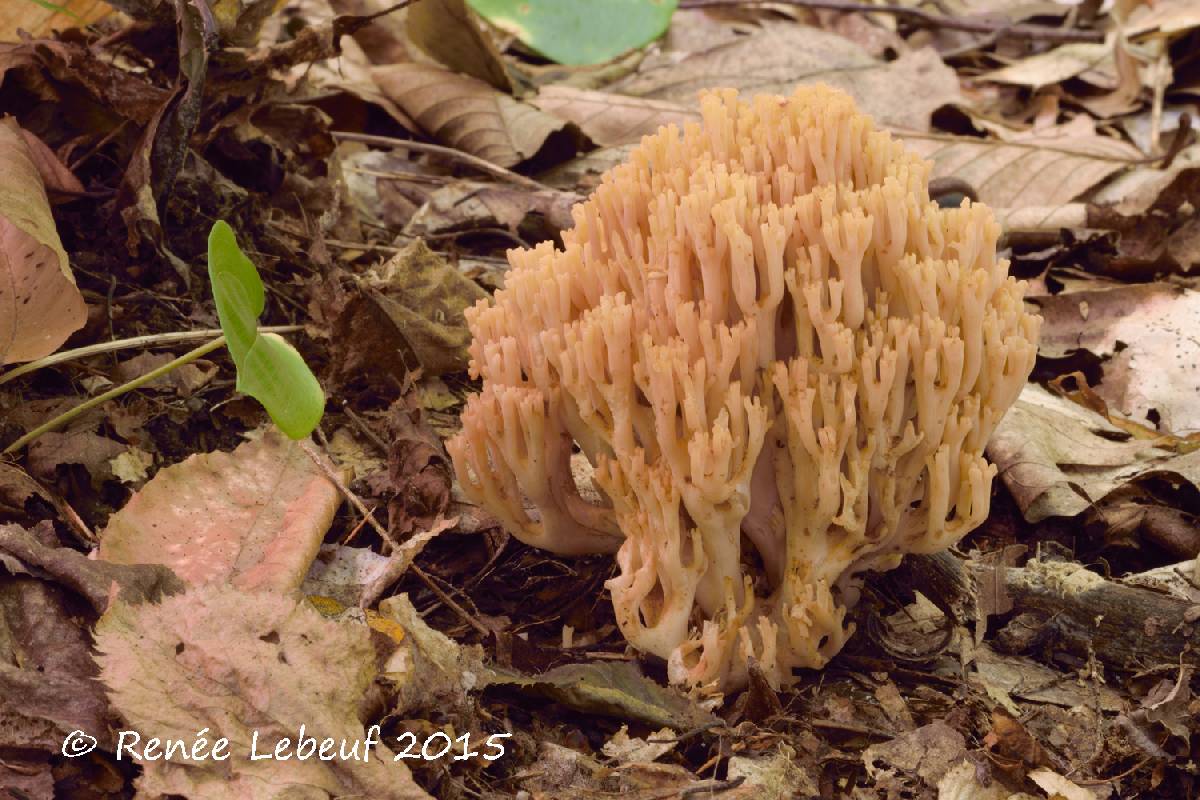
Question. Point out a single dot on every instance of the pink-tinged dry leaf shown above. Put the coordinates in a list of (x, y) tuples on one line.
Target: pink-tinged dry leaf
[(238, 663), (1147, 335), (39, 303), (254, 517), (610, 119), (1041, 168), (467, 114)]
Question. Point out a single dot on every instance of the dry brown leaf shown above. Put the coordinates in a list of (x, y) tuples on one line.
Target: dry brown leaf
[(40, 305), (254, 517), (1089, 61), (467, 206), (610, 119), (408, 312), (38, 20), (448, 31), (465, 113), (1041, 168), (1146, 334), (928, 752), (240, 663), (47, 676), (97, 581), (779, 56), (1060, 459)]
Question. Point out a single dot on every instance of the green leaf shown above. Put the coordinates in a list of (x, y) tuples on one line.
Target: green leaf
[(275, 374), (237, 289), (268, 368), (579, 31)]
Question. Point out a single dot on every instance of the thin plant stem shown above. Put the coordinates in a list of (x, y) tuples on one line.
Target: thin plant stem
[(449, 152), (150, 340), (100, 399)]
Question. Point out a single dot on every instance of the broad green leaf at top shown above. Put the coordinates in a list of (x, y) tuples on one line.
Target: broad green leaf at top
[(579, 31), (237, 290), (268, 368)]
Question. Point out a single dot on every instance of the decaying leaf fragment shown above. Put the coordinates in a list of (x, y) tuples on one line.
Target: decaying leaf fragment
[(254, 517), (39, 303), (239, 664)]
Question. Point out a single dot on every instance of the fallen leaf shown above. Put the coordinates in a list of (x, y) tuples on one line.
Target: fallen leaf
[(1089, 61), (243, 664), (468, 206), (615, 689), (778, 56), (1143, 332), (406, 313), (83, 447), (254, 517), (40, 305), (961, 782), (1059, 459), (47, 676), (132, 466), (610, 119), (467, 114), (928, 752), (1168, 703), (39, 19), (776, 776), (627, 749), (1057, 786), (94, 580), (449, 31), (428, 670), (1041, 168), (55, 174), (185, 380), (343, 573)]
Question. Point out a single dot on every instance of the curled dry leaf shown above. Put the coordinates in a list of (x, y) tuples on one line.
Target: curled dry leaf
[(241, 663), (40, 305), (1058, 459), (254, 517), (465, 113)]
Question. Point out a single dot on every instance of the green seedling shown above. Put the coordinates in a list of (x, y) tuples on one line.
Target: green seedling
[(268, 368)]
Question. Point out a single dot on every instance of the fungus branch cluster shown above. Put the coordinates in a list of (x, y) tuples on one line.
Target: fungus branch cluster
[(783, 362)]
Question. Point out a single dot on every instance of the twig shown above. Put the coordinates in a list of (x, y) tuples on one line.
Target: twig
[(150, 340), (100, 399), (920, 16), (458, 155)]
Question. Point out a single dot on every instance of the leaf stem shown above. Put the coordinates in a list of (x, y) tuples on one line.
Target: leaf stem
[(67, 416), (150, 340)]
